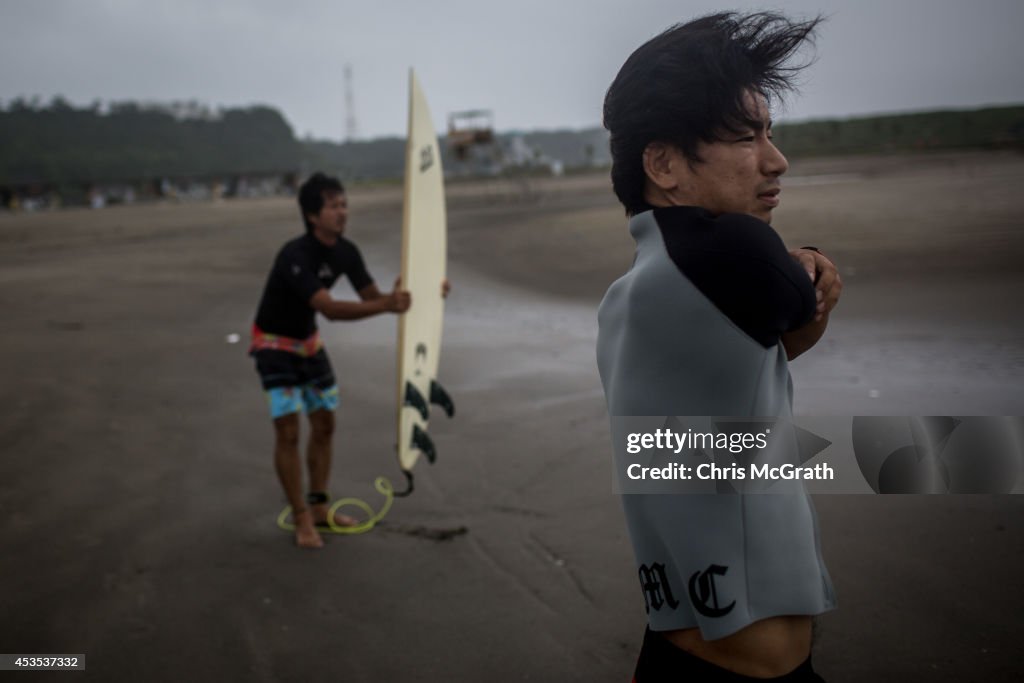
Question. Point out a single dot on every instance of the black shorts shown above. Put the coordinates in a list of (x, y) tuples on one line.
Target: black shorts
[(284, 369), (660, 661)]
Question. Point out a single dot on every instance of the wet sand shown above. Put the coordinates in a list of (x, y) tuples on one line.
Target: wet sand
[(138, 496)]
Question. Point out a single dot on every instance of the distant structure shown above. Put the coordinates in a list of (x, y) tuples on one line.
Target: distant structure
[(478, 151), (521, 155), (467, 129), (351, 129)]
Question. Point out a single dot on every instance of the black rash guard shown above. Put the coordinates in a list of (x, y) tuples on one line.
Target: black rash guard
[(304, 266)]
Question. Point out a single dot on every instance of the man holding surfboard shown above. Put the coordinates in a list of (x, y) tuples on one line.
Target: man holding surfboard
[(290, 359), (704, 323)]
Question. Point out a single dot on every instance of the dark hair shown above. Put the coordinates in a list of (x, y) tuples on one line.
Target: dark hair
[(311, 194), (690, 83)]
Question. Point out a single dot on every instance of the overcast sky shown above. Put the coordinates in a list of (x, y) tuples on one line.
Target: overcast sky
[(538, 64)]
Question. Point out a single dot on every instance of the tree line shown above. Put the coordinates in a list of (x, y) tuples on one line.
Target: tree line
[(58, 144)]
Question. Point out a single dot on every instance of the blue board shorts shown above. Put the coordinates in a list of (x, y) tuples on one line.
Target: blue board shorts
[(294, 383)]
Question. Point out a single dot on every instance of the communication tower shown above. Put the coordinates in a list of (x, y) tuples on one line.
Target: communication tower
[(351, 129)]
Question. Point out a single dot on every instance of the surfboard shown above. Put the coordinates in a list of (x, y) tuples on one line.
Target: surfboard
[(424, 254)]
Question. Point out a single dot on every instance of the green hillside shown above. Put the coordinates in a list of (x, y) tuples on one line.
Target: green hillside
[(994, 128), (61, 146)]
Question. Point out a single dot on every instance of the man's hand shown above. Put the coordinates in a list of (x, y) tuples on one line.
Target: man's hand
[(399, 300), (446, 287), (823, 273), (827, 289)]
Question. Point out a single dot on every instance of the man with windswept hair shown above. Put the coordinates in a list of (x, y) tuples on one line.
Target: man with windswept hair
[(705, 323)]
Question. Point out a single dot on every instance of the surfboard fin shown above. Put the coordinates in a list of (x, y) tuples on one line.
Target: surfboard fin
[(421, 441), (414, 398), (439, 396)]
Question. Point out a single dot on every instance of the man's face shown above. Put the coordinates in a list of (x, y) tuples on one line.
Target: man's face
[(333, 215), (738, 173)]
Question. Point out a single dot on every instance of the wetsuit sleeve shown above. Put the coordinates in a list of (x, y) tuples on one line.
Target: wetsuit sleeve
[(355, 268), (742, 266)]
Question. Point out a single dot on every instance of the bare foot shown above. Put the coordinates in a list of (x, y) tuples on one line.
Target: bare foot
[(320, 515), (306, 535)]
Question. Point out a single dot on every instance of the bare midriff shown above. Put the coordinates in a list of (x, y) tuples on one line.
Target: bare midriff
[(766, 648)]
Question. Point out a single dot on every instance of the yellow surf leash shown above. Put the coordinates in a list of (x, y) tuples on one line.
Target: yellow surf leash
[(383, 487)]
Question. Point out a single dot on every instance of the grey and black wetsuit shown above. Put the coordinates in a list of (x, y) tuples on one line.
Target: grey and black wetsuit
[(693, 329)]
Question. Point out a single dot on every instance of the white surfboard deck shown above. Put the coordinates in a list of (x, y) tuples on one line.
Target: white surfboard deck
[(424, 255)]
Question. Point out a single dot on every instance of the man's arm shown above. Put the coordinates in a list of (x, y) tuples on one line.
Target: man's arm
[(827, 288), (803, 338), (372, 302)]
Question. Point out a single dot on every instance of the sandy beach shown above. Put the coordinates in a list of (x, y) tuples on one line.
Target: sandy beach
[(138, 498)]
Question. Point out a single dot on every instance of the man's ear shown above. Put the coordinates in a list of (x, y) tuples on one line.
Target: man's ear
[(659, 158)]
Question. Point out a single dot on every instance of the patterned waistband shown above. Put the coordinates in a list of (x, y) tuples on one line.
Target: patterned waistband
[(261, 341)]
